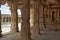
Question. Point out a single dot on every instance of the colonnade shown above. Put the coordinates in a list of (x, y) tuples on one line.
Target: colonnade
[(6, 18), (39, 18), (25, 27)]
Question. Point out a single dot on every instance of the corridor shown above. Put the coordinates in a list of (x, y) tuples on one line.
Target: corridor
[(40, 20)]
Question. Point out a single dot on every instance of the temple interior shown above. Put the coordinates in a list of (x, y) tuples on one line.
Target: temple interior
[(30, 20)]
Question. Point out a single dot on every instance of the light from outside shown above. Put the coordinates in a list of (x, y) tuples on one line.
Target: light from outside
[(5, 9)]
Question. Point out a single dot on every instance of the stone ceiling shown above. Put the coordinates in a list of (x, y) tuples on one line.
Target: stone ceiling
[(45, 2)]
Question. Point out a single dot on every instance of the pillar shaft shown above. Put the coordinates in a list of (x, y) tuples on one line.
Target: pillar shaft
[(14, 17), (41, 23), (59, 10), (0, 20), (59, 14), (36, 28), (25, 27)]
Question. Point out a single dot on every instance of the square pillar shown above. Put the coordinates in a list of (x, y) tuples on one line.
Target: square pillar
[(25, 27), (41, 19), (14, 17), (36, 28)]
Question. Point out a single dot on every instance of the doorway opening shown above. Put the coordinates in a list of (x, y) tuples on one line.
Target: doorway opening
[(6, 18)]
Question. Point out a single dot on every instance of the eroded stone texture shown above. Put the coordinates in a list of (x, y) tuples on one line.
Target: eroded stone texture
[(49, 14), (14, 17), (36, 29), (25, 27), (41, 22)]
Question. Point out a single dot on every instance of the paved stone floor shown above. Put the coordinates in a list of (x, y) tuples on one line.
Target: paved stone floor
[(44, 36), (6, 27), (49, 36), (15, 36)]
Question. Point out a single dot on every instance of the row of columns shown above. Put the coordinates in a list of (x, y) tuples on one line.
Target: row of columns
[(8, 19), (38, 20), (25, 27), (5, 19)]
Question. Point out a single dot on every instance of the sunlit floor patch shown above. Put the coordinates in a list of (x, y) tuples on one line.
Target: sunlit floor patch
[(6, 28)]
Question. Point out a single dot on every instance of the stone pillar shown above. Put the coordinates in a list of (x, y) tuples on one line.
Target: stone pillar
[(14, 17), (25, 27), (5, 19), (0, 21), (36, 28), (41, 22), (59, 13)]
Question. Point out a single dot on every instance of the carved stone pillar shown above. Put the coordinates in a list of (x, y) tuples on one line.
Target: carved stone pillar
[(25, 27), (14, 17), (36, 28), (0, 21), (41, 19)]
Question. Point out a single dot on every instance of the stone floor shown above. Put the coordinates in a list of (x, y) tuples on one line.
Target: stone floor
[(44, 36), (6, 27), (49, 36), (15, 36)]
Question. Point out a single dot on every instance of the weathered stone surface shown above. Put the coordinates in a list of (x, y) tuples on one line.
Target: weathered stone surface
[(14, 17), (39, 17), (36, 29), (0, 21), (25, 27)]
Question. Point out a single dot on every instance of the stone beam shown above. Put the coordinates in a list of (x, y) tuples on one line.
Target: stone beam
[(25, 27)]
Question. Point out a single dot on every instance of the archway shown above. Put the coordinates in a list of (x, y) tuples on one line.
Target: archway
[(6, 18)]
